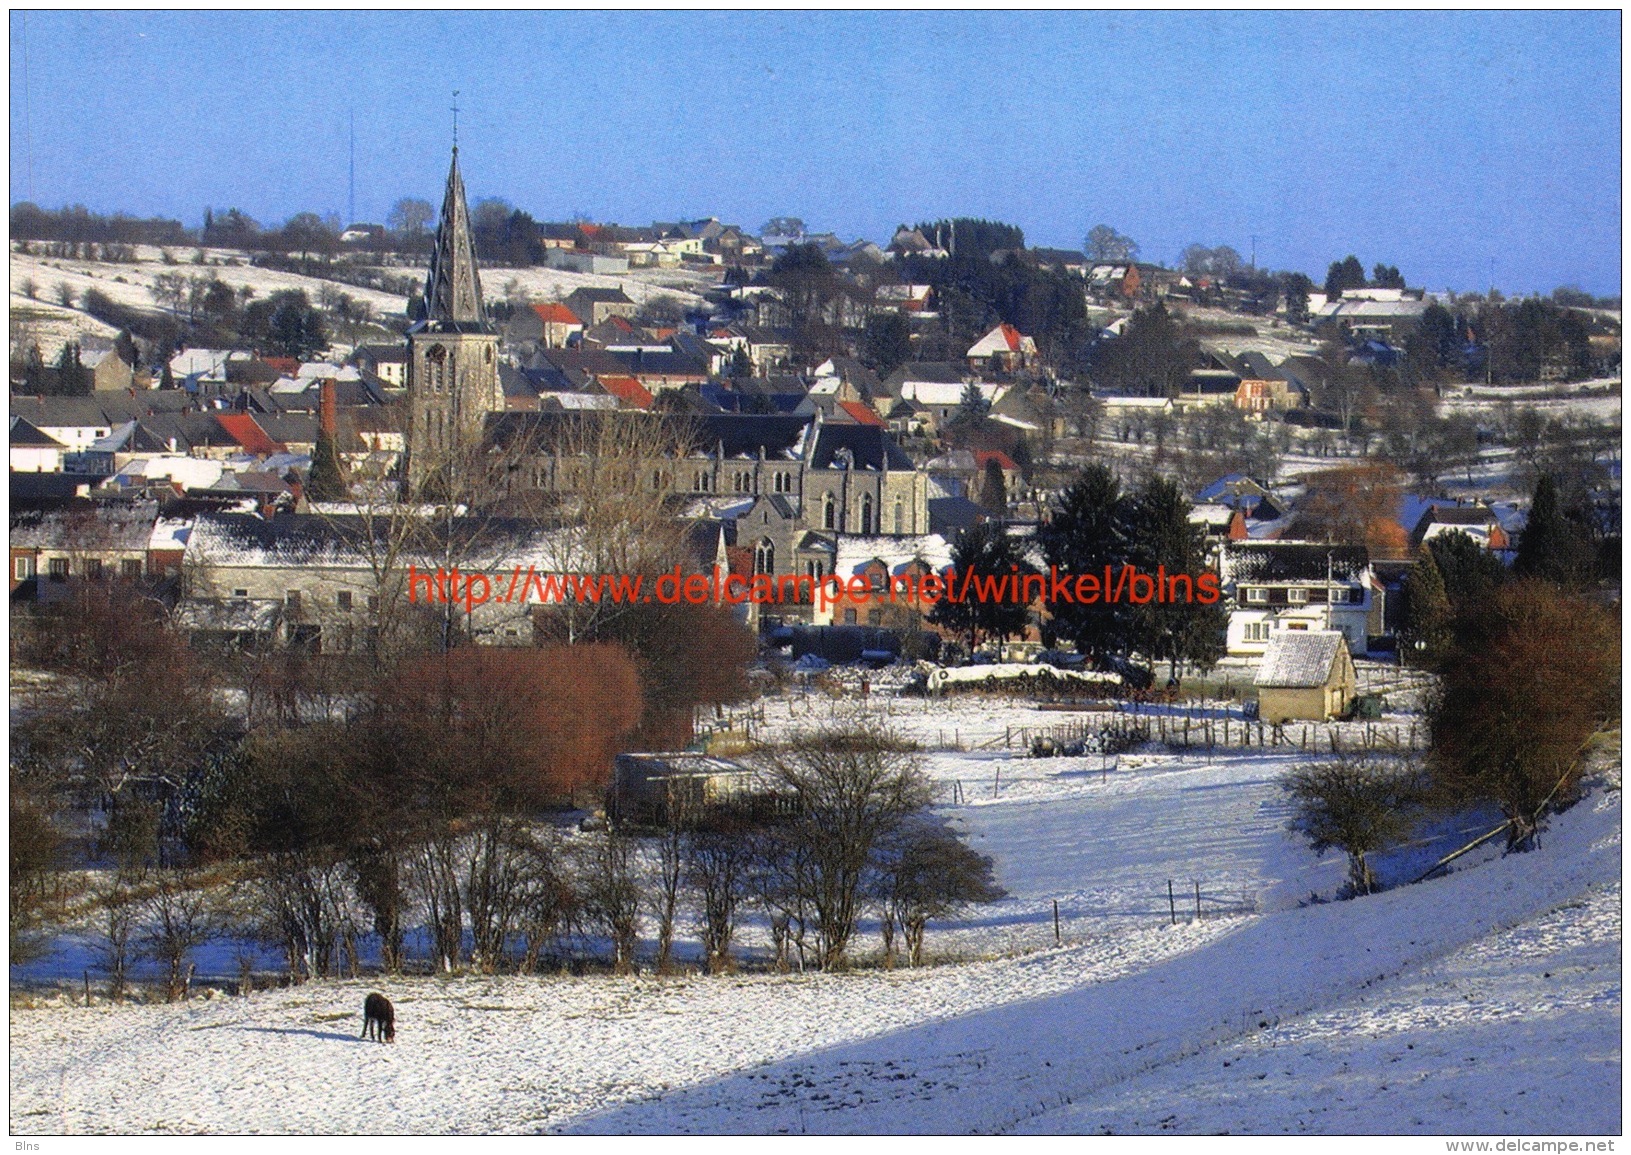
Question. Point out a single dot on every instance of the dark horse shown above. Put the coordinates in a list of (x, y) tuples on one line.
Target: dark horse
[(379, 1017)]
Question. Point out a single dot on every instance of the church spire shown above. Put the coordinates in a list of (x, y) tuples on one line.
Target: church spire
[(453, 287)]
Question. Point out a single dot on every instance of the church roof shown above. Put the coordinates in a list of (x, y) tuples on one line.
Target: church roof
[(453, 286)]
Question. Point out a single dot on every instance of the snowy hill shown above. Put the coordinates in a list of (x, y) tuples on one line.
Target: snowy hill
[(1487, 1000), (131, 284)]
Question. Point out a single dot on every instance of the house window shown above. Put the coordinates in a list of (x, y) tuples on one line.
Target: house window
[(866, 515), (1257, 594), (22, 569), (1257, 631), (828, 513), (764, 557), (900, 517), (1297, 596), (291, 601), (93, 568), (849, 617), (131, 569), (343, 599), (1341, 594), (373, 603), (57, 567), (241, 592), (656, 479), (874, 617)]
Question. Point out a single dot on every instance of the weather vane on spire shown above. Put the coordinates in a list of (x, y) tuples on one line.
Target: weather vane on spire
[(455, 121)]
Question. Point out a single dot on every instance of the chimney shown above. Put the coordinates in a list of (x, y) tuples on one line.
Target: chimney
[(325, 407)]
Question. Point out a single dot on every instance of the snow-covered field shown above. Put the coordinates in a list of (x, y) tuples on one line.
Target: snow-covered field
[(131, 284), (1484, 1001)]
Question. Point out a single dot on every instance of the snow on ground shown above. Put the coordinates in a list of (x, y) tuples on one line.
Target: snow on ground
[(131, 284), (1448, 967), (1101, 1032)]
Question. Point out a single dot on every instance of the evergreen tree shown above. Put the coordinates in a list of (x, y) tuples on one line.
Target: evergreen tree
[(1347, 273), (972, 407), (993, 489), (986, 550), (1170, 548), (125, 346), (1468, 571), (1090, 529), (73, 379), (1552, 546), (1427, 612), (326, 480), (886, 342)]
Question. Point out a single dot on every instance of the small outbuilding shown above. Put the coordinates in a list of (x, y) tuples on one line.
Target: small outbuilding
[(1306, 675), (660, 789)]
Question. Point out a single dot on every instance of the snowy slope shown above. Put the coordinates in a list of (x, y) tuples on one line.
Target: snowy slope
[(1396, 1012)]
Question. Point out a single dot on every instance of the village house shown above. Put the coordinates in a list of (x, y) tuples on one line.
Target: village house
[(1477, 521), (320, 582), (33, 450), (1276, 586), (592, 306), (1003, 350)]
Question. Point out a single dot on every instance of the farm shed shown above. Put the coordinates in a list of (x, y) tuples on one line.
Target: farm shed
[(648, 789), (1306, 675)]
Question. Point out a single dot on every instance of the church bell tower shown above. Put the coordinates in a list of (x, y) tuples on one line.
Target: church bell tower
[(452, 353)]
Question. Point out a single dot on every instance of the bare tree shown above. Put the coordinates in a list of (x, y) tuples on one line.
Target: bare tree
[(717, 871), (613, 892), (850, 788), (925, 872), (180, 918), (1357, 805)]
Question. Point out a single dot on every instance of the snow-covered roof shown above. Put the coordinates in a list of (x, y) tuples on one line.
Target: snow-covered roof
[(170, 533), (947, 392), (328, 370), (896, 553), (1299, 659)]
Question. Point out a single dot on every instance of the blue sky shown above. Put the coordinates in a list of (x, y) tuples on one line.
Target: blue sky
[(1439, 142)]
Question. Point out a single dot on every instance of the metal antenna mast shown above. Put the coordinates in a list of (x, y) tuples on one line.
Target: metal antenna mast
[(351, 185)]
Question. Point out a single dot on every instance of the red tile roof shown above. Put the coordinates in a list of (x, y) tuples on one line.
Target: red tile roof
[(861, 413), (1004, 462), (241, 427), (628, 390), (556, 314), (1011, 335)]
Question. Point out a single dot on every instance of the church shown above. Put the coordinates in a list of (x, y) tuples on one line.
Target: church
[(798, 482), (452, 354)]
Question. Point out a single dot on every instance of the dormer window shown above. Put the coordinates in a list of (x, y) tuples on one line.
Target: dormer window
[(1297, 596), (1257, 594)]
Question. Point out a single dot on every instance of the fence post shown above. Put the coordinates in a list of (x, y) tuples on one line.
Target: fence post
[(996, 783), (1172, 903), (1057, 940), (1197, 900)]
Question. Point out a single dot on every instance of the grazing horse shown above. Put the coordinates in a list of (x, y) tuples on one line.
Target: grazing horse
[(379, 1017)]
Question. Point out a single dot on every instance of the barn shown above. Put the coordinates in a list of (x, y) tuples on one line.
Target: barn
[(1306, 675)]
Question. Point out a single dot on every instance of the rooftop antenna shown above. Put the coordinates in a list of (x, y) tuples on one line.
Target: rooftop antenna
[(455, 122)]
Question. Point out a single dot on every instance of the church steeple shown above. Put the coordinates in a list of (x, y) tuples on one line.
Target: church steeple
[(453, 286)]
